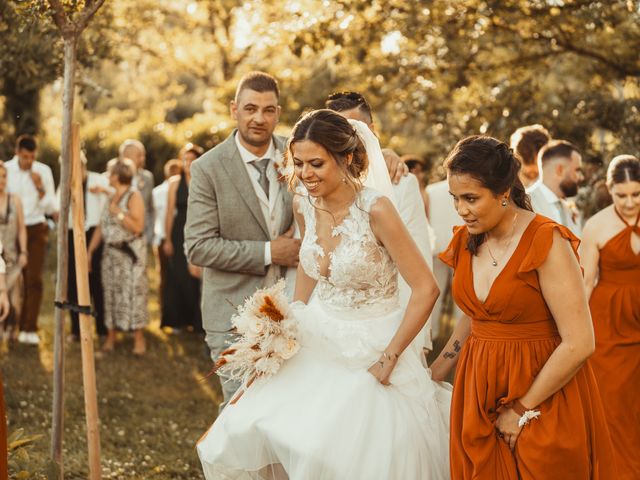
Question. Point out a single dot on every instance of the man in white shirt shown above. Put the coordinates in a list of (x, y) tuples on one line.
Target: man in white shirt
[(143, 181), (443, 217), (407, 194), (95, 187), (32, 182), (526, 142), (560, 173)]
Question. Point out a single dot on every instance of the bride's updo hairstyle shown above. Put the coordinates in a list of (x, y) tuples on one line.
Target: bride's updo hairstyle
[(338, 137), (493, 164), (622, 169)]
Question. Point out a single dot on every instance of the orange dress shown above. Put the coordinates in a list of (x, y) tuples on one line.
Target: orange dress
[(615, 309), (512, 336)]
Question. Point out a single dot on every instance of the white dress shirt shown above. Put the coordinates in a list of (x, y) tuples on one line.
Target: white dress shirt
[(94, 203), (547, 203), (20, 184), (266, 204), (160, 196)]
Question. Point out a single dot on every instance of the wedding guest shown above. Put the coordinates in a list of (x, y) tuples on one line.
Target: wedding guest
[(160, 195), (4, 311), (239, 216), (409, 202), (182, 293), (610, 254), (416, 166), (443, 217), (94, 188), (32, 182), (527, 142), (143, 181), (124, 259), (13, 236), (525, 402), (560, 165)]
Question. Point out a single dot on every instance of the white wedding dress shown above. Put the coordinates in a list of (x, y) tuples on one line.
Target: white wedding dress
[(323, 416)]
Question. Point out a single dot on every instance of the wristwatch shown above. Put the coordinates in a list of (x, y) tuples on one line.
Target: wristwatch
[(120, 217)]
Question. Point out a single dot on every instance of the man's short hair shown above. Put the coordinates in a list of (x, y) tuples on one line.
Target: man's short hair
[(259, 82), (556, 149), (343, 101), (411, 161), (26, 142), (527, 142)]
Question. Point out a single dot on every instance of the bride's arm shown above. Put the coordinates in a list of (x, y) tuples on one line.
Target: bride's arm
[(392, 233), (304, 283)]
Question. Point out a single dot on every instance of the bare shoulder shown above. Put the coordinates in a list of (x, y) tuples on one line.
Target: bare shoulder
[(381, 208), (602, 226)]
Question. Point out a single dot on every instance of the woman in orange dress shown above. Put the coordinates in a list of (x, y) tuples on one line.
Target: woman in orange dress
[(525, 402), (610, 256)]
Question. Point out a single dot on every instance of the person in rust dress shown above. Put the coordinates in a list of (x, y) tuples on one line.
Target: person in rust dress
[(525, 401), (610, 255)]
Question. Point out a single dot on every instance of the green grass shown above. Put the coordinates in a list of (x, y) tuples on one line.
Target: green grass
[(152, 409)]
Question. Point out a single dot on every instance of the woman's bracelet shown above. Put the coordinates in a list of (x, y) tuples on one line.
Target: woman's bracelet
[(525, 414)]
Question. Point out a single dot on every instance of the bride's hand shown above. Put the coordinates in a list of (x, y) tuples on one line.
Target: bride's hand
[(383, 368)]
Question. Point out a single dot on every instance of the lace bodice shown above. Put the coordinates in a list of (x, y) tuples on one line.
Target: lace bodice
[(361, 271)]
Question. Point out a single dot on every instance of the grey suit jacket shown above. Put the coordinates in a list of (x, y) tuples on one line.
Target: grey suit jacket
[(226, 231), (144, 182)]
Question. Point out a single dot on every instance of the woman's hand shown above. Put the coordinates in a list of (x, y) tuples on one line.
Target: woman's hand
[(507, 426), (383, 368), (4, 305), (114, 209)]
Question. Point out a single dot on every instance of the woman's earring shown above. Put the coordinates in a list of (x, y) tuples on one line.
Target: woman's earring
[(504, 202), (344, 180)]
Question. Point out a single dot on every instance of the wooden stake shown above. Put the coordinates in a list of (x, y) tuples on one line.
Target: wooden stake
[(84, 298)]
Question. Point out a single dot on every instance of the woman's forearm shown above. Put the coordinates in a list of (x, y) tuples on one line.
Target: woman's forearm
[(448, 358), (560, 368), (420, 305)]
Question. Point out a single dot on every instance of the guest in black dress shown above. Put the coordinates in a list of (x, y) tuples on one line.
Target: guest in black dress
[(181, 302)]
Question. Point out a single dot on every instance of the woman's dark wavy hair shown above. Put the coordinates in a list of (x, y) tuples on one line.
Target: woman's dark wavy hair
[(493, 164), (338, 137)]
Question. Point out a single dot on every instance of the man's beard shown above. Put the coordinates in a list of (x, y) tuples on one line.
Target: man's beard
[(569, 188)]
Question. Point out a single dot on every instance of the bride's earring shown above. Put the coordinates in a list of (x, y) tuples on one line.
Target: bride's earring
[(344, 179), (504, 202)]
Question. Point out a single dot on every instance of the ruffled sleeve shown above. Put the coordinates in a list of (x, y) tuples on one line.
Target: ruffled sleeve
[(539, 249), (451, 254)]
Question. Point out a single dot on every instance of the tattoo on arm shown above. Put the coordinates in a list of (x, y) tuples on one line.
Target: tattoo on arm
[(456, 349)]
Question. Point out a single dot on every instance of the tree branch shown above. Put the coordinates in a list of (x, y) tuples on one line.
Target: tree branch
[(60, 18), (89, 10)]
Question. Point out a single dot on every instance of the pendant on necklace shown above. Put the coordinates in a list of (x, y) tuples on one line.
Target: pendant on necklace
[(494, 263)]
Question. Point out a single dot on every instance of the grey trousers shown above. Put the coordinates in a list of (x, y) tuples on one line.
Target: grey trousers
[(218, 343)]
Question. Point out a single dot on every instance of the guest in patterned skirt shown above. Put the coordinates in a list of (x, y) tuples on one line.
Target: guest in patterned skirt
[(124, 258)]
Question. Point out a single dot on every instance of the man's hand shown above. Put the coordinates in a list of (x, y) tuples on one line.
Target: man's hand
[(167, 247), (397, 168), (285, 249), (37, 182)]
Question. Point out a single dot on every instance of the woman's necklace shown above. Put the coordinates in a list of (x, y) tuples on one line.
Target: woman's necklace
[(494, 261)]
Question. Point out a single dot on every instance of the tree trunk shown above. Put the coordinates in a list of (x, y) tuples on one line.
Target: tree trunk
[(70, 43)]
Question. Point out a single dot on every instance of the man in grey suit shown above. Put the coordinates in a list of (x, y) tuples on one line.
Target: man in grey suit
[(239, 218), (134, 150)]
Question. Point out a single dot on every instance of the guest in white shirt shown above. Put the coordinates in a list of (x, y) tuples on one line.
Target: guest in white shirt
[(443, 217), (32, 181), (408, 198), (95, 188), (560, 168), (160, 194), (526, 142)]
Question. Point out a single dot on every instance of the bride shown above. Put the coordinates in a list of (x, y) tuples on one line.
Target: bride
[(355, 402)]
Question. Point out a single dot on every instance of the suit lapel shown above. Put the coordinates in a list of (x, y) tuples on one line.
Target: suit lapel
[(237, 172)]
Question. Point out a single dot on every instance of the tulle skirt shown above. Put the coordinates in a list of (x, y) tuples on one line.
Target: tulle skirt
[(323, 416)]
